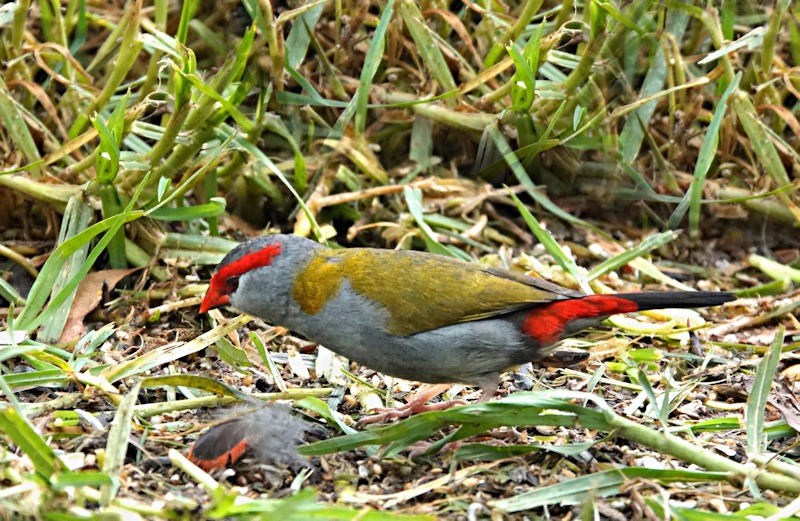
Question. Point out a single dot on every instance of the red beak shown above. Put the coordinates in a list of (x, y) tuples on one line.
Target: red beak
[(213, 299)]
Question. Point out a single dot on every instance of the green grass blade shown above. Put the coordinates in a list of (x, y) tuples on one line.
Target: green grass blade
[(693, 198), (31, 318), (23, 435), (130, 46), (372, 61), (16, 127), (429, 50), (764, 148), (76, 220), (413, 198), (117, 444), (757, 401), (601, 484), (549, 243), (618, 261), (630, 139)]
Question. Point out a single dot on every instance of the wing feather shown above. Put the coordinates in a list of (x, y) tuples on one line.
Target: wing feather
[(424, 292)]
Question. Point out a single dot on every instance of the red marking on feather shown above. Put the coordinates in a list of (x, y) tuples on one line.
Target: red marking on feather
[(208, 454), (547, 323), (218, 289)]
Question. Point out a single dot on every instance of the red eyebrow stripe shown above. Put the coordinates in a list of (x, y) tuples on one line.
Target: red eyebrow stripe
[(251, 261)]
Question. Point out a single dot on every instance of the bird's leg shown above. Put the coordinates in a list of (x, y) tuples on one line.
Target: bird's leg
[(415, 406), (488, 389)]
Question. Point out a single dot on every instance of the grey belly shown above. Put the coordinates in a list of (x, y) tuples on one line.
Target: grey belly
[(355, 327), (463, 353)]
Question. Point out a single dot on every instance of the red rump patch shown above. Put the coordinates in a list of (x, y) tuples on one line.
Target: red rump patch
[(218, 290), (547, 323)]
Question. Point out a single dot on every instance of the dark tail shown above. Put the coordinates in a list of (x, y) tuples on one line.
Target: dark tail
[(677, 299)]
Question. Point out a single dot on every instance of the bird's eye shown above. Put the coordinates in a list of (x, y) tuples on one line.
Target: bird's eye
[(232, 283)]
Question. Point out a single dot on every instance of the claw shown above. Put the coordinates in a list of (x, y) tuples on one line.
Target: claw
[(415, 406)]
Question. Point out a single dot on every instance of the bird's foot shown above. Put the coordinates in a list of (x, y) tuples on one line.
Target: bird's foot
[(421, 448), (417, 405), (406, 410)]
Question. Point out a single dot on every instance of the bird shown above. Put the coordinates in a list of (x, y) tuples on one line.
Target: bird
[(270, 432), (416, 315)]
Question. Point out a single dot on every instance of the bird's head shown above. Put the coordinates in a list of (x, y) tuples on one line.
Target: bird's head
[(254, 268)]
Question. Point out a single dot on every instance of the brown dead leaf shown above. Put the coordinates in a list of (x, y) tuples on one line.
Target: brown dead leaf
[(88, 296), (787, 403), (783, 399)]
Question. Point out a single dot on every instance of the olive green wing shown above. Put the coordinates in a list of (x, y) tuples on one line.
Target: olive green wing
[(425, 292)]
